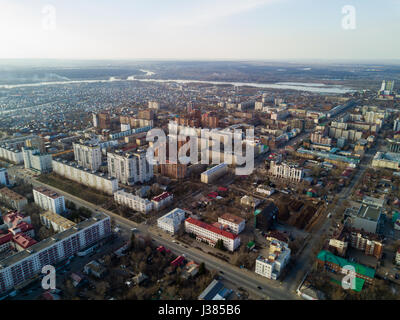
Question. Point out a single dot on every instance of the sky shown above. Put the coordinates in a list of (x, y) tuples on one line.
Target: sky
[(202, 29)]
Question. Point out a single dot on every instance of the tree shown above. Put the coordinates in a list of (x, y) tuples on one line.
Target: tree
[(202, 268), (220, 245)]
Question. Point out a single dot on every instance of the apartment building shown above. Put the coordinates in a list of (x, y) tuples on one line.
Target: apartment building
[(129, 168), (11, 154), (272, 266), (162, 200), (214, 173), (55, 221), (286, 171), (211, 234), (18, 269), (235, 224), (132, 201), (4, 180), (87, 155), (35, 160), (49, 200), (171, 221), (92, 179), (13, 199)]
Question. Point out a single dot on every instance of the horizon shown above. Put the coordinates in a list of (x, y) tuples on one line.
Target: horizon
[(255, 30)]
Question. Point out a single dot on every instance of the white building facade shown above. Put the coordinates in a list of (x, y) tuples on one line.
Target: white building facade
[(132, 201), (87, 155), (286, 171), (129, 168), (92, 179), (49, 200), (171, 221)]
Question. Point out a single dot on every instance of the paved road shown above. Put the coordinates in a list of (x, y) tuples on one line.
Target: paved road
[(244, 278)]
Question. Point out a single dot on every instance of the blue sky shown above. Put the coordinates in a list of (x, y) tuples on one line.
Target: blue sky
[(218, 29)]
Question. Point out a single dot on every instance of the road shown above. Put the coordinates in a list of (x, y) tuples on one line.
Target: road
[(303, 264), (244, 278)]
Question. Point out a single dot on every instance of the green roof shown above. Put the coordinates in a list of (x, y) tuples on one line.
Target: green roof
[(250, 244), (324, 255)]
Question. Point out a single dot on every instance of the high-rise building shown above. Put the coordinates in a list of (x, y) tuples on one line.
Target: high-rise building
[(35, 160), (129, 168), (49, 200), (104, 120), (88, 155)]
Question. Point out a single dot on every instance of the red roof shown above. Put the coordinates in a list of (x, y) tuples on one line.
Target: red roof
[(178, 261), (162, 196), (23, 240), (5, 238), (211, 228), (222, 189)]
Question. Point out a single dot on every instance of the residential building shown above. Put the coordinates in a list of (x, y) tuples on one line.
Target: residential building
[(16, 270), (92, 179), (129, 168), (286, 171), (13, 199), (49, 200), (162, 200), (214, 173), (4, 180), (389, 160), (211, 234), (11, 154), (397, 257), (35, 160), (171, 221), (272, 266), (132, 201), (56, 221), (87, 155), (235, 224)]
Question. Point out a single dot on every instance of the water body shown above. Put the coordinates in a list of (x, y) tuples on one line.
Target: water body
[(298, 86)]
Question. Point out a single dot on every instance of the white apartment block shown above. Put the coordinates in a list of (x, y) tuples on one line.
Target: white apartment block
[(88, 155), (92, 179), (33, 159), (49, 200), (272, 266), (286, 171), (211, 234), (129, 168), (234, 223), (12, 155), (132, 201), (26, 264), (171, 221)]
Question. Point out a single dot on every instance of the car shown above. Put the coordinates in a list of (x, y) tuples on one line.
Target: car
[(220, 271), (259, 288)]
